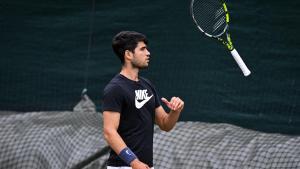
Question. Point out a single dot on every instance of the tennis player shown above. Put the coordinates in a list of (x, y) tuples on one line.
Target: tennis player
[(131, 106)]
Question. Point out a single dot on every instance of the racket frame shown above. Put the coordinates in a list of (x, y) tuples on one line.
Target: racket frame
[(226, 40)]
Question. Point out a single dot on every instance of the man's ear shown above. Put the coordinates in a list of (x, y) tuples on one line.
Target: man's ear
[(128, 54)]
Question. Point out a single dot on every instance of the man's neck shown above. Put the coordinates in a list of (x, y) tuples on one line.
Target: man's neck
[(132, 74)]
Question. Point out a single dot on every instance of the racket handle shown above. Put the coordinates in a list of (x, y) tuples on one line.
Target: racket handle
[(240, 62)]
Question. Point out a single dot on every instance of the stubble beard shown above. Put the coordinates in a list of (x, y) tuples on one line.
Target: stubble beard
[(139, 66)]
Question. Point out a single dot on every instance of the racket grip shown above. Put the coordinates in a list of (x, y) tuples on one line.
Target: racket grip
[(240, 62)]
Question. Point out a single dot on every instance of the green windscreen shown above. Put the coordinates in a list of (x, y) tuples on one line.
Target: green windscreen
[(46, 62)]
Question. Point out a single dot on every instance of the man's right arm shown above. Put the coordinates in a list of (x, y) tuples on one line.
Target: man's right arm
[(111, 122)]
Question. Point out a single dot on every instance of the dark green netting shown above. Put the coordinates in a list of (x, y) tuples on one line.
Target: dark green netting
[(44, 52)]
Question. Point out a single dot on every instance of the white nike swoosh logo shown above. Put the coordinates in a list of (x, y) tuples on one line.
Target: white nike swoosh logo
[(128, 152), (139, 105)]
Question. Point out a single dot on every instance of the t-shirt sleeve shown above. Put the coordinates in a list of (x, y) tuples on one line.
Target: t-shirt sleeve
[(157, 98), (112, 99)]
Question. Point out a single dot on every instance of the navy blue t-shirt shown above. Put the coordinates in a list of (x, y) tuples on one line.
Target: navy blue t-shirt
[(136, 102)]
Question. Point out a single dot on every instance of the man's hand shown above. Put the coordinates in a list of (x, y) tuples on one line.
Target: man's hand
[(175, 104), (137, 164)]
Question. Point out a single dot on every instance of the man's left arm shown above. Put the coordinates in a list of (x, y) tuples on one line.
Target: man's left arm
[(166, 121)]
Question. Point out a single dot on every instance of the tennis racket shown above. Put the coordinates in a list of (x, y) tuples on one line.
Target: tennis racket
[(212, 18)]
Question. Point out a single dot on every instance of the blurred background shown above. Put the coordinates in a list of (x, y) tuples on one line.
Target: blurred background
[(51, 50)]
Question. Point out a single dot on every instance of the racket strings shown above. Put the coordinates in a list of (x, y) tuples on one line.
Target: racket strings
[(210, 16), (219, 23), (219, 12)]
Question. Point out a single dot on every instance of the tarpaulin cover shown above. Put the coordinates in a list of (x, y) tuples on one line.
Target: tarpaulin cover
[(73, 139)]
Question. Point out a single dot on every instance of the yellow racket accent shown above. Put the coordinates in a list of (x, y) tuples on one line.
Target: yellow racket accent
[(227, 43), (226, 11)]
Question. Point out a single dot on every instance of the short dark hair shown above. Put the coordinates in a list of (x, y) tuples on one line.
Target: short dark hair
[(127, 40)]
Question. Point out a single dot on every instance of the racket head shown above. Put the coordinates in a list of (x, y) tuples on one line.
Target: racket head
[(210, 16)]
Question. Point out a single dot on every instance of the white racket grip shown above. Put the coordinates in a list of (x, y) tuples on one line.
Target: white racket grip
[(240, 62)]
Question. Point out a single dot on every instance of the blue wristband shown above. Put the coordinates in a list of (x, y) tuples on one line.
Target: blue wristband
[(127, 155)]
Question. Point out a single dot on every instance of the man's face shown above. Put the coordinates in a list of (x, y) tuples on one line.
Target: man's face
[(141, 56)]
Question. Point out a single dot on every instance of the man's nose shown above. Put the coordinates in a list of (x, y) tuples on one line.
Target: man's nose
[(148, 53)]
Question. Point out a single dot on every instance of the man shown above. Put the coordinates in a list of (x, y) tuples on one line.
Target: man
[(131, 106)]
